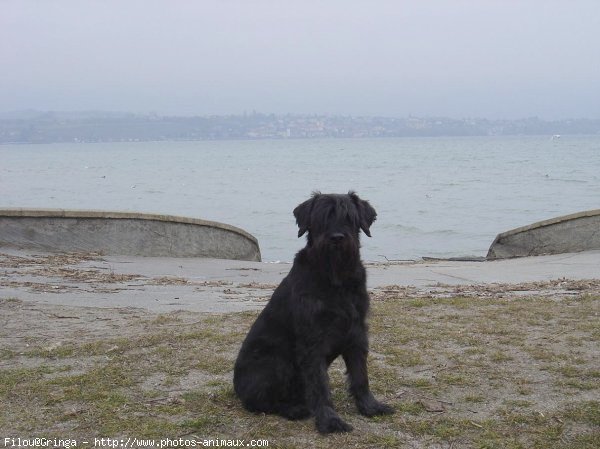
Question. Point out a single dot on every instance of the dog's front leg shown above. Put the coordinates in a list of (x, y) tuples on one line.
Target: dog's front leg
[(318, 397), (355, 358)]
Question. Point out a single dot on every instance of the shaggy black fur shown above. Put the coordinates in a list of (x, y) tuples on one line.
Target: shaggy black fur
[(316, 314)]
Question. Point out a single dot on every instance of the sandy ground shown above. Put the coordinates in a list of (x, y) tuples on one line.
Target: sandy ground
[(163, 285), (471, 354)]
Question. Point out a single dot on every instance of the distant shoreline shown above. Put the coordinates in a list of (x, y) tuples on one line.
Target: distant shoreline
[(17, 144), (274, 139), (93, 127)]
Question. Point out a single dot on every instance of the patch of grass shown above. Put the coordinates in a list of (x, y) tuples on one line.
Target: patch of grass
[(215, 364), (500, 357), (441, 428), (587, 412), (577, 378), (17, 381), (210, 410), (589, 440), (161, 320), (7, 354), (383, 441), (475, 345), (58, 352), (572, 371), (474, 398), (455, 378), (518, 403), (419, 302), (98, 384), (541, 353), (398, 356), (479, 357), (410, 408)]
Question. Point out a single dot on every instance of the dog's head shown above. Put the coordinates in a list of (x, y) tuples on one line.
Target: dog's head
[(333, 223), (332, 214)]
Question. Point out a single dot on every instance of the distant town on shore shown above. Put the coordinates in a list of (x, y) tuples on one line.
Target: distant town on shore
[(53, 127)]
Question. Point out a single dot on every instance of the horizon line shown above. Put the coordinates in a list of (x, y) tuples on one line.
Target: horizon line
[(5, 114)]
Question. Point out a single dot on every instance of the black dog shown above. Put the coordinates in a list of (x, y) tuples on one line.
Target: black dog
[(316, 314)]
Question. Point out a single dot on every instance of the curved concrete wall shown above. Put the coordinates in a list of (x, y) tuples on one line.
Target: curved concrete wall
[(566, 234), (123, 233)]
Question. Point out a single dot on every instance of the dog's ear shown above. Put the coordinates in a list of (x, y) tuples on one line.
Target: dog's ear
[(366, 213), (302, 214)]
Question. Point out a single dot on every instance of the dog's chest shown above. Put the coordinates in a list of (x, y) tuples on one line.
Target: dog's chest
[(340, 312)]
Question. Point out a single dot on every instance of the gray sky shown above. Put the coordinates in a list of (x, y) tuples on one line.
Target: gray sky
[(476, 58)]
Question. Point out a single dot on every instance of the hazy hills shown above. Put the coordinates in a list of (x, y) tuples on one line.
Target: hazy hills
[(97, 126)]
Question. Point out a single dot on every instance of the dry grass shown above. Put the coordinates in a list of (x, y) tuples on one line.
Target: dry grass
[(480, 368)]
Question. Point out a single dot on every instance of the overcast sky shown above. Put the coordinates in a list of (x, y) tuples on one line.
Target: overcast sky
[(476, 58)]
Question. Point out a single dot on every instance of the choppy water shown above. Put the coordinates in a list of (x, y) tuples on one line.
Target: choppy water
[(437, 197)]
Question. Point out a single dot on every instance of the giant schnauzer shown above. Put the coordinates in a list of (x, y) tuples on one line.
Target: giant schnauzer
[(316, 314)]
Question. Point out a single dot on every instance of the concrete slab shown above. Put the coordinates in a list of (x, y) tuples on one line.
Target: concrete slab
[(163, 284), (566, 234), (124, 233), (583, 265)]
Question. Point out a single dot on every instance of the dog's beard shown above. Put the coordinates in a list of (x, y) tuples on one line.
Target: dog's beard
[(337, 261)]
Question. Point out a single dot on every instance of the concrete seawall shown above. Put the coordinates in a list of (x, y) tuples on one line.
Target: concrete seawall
[(124, 233), (566, 234)]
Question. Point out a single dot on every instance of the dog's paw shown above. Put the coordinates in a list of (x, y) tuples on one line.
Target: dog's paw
[(374, 408), (330, 422), (296, 412)]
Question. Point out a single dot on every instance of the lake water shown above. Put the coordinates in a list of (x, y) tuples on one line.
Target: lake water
[(438, 197)]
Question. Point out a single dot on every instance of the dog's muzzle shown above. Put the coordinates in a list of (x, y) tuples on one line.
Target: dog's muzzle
[(336, 238)]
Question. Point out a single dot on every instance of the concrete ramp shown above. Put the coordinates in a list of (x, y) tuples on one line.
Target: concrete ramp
[(566, 234), (124, 233)]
